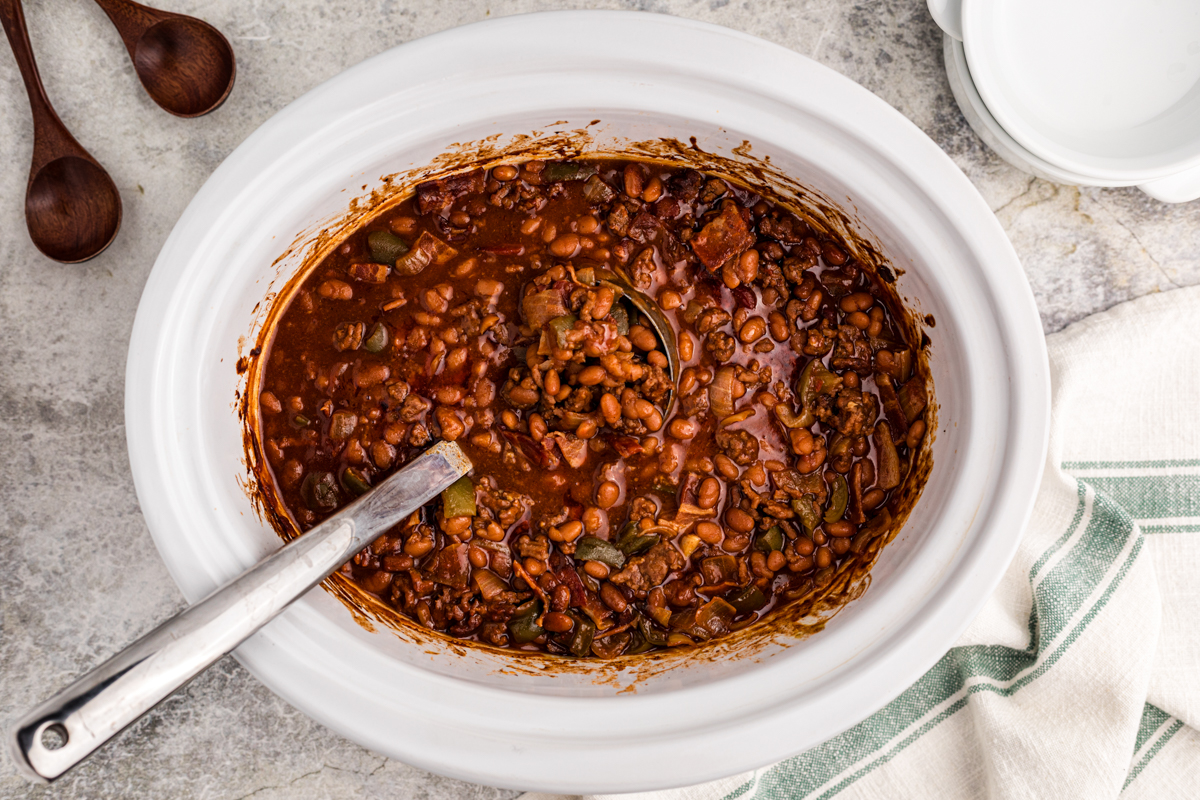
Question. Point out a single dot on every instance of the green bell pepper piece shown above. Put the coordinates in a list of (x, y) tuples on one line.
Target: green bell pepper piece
[(458, 499), (591, 548), (385, 247)]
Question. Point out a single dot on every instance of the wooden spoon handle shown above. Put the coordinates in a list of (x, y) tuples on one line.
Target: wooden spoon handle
[(51, 139), (131, 20)]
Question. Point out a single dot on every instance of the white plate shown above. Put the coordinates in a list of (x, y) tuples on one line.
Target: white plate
[(643, 76), (1104, 88)]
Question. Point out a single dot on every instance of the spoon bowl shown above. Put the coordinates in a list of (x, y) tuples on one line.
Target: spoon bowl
[(72, 209), (186, 65)]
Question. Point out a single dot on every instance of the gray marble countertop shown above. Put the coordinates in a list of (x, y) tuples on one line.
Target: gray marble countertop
[(81, 577)]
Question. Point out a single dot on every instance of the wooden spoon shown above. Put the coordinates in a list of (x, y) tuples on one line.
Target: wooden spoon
[(72, 207), (185, 64)]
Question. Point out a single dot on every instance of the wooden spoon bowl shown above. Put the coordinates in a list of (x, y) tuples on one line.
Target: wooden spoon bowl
[(72, 209), (185, 64)]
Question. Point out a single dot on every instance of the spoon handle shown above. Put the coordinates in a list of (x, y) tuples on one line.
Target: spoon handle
[(131, 20), (101, 703), (51, 139)]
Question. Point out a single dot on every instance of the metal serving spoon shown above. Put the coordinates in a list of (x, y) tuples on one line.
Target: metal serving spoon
[(68, 727), (185, 64), (72, 207), (617, 281)]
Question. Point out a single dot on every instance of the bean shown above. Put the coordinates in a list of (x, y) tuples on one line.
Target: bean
[(654, 421), (405, 226), (557, 622), (382, 453), (682, 428), (634, 183), (531, 225), (876, 326), (465, 267), (567, 532), (478, 557), (753, 330), (549, 232), (729, 470), (593, 519), (603, 302), (613, 598), (607, 494), (729, 275), (841, 528), (334, 289), (460, 218), (509, 419), (456, 526), (775, 561), (504, 172), (397, 563), (550, 382), (523, 396), (802, 441), (774, 465), (590, 376), (687, 380), (824, 557), (809, 312), (418, 545), (534, 567), (629, 405), (804, 546), (643, 338), (587, 224), (658, 359), (709, 493), (709, 532), (739, 520), (610, 407), (778, 326), (850, 380), (653, 190), (537, 427), (368, 375), (834, 254), (747, 266), (597, 569), (859, 320), (449, 395), (565, 246), (644, 408), (916, 432), (492, 532), (669, 299), (858, 301), (457, 358), (874, 498), (687, 346), (756, 474), (735, 542)]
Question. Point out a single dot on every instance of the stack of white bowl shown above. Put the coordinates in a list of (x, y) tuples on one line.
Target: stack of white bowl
[(1086, 92)]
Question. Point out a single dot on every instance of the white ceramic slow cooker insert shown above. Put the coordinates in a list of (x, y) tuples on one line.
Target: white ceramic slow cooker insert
[(644, 77)]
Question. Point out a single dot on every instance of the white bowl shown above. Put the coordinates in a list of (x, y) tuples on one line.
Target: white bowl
[(1104, 88), (486, 717)]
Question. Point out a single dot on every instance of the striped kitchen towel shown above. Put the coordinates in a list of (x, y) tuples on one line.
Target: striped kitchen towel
[(1081, 676)]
